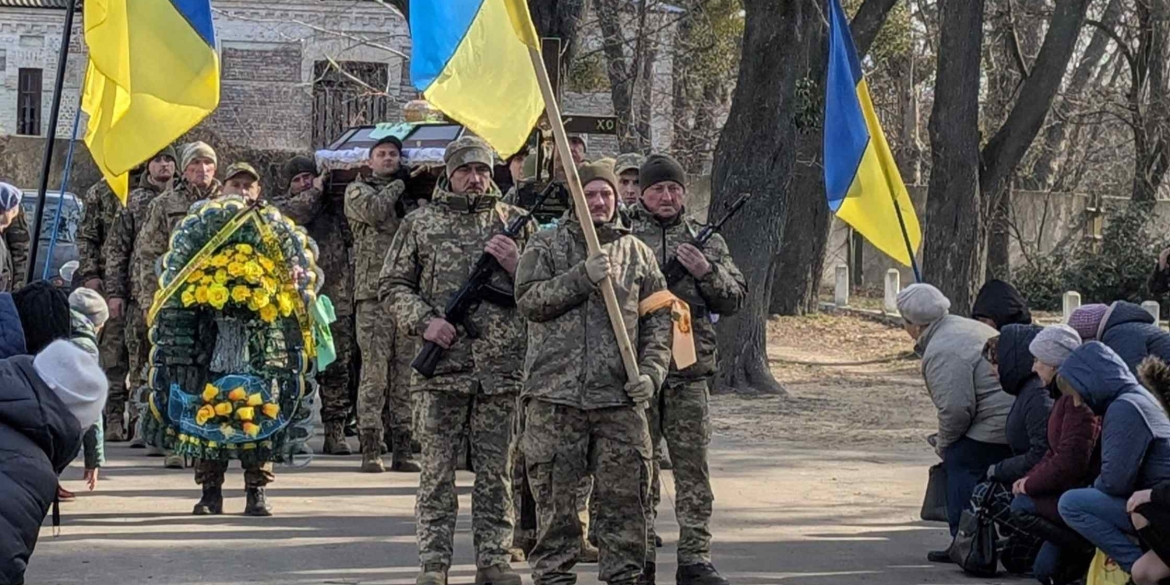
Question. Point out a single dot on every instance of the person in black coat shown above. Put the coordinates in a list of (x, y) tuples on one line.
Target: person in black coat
[(999, 304), (48, 400)]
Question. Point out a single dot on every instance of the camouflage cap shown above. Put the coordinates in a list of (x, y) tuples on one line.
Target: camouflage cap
[(241, 167), (467, 150), (630, 161)]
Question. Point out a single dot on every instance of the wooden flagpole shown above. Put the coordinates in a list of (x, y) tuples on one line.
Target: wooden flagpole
[(629, 356)]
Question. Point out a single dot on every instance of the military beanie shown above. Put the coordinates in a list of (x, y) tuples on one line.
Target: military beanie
[(298, 165), (597, 171), (169, 152), (467, 150), (196, 150), (659, 168)]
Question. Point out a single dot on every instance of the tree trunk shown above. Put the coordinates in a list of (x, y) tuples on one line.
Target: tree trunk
[(756, 155), (999, 241), (1150, 119), (622, 74), (955, 238), (558, 18)]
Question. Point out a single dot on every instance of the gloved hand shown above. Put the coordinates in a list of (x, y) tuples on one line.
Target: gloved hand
[(640, 390), (598, 267)]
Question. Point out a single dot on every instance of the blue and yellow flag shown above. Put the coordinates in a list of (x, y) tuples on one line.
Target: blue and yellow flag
[(153, 75), (470, 59), (861, 178)]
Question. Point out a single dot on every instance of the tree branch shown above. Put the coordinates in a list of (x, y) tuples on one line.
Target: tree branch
[(868, 21), (1112, 34)]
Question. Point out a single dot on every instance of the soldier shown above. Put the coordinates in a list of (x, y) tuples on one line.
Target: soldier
[(10, 198), (473, 394), (582, 414), (241, 179), (712, 286), (306, 204), (375, 207), (102, 271), (162, 213), (626, 168)]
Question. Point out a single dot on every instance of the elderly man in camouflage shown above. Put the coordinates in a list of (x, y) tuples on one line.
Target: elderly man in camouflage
[(712, 286), (306, 204), (104, 246), (375, 207), (198, 163), (474, 391), (582, 414)]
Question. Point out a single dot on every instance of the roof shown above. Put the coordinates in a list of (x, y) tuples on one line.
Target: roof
[(58, 4)]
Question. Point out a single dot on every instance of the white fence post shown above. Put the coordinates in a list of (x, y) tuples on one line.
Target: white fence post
[(893, 287), (841, 293), (1154, 309), (1072, 302)]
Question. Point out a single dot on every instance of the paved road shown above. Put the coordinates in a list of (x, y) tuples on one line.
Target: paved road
[(783, 515)]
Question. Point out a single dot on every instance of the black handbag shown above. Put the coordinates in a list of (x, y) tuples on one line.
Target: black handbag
[(974, 547), (934, 505)]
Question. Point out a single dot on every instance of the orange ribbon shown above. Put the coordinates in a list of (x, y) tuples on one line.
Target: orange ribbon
[(683, 343)]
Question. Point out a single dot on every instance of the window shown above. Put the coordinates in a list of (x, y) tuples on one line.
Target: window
[(28, 102)]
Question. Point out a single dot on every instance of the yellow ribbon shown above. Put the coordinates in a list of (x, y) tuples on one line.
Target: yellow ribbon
[(682, 342)]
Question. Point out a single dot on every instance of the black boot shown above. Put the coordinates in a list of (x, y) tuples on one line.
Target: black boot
[(1041, 527), (648, 573), (403, 458), (211, 502), (257, 504), (698, 574)]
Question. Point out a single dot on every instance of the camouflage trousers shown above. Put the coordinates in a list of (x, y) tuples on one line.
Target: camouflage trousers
[(115, 360), (334, 381), (210, 473), (385, 369), (683, 419), (445, 420), (562, 445), (138, 353)]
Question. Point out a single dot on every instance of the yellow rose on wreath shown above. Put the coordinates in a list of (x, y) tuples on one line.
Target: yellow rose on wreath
[(268, 313), (245, 413), (217, 296), (240, 258), (267, 264), (201, 294), (260, 299), (221, 276), (255, 400), (209, 393), (196, 276), (241, 293), (237, 394), (204, 414), (268, 284), (207, 279), (270, 410), (251, 429), (244, 248), (253, 271), (235, 269), (188, 296), (284, 301), (223, 409), (219, 260)]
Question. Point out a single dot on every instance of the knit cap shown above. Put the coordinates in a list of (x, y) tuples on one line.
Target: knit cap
[(1054, 344), (1087, 319), (10, 197), (597, 171), (922, 304), (196, 150), (298, 165), (467, 150), (168, 152), (87, 302), (659, 168), (76, 379)]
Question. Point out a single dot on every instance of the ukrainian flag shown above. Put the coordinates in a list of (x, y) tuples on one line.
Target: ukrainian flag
[(153, 75), (861, 179), (470, 59)]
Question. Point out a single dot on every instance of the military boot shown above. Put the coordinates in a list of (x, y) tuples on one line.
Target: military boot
[(698, 574), (649, 571), (257, 503), (174, 461), (589, 553), (335, 443), (115, 430), (371, 445), (432, 574), (211, 502), (403, 459), (497, 575), (136, 441)]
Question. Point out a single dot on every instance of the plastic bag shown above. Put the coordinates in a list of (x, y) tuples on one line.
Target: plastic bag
[(1105, 571)]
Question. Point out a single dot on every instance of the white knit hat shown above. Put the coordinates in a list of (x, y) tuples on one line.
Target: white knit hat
[(92, 305), (922, 304), (1054, 344), (76, 379)]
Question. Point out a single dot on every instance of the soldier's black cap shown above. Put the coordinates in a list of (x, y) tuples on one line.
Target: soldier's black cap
[(388, 140)]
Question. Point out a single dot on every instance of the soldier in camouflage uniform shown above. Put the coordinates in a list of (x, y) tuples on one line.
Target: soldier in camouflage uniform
[(473, 393), (582, 414), (198, 163), (98, 272), (626, 168), (306, 204), (712, 286), (119, 288), (375, 207)]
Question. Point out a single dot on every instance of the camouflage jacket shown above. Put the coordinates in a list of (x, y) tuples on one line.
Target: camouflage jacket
[(327, 226), (430, 259), (375, 207), (154, 237), (573, 357), (722, 292), (100, 209), (119, 246), (18, 241)]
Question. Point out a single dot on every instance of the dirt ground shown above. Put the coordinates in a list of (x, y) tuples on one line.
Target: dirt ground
[(864, 392)]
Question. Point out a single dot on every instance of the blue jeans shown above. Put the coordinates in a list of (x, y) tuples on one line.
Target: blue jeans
[(1102, 520), (1048, 561), (966, 462)]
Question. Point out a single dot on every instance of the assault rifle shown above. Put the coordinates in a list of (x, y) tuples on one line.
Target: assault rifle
[(478, 288), (674, 270)]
